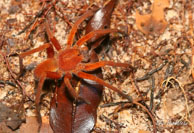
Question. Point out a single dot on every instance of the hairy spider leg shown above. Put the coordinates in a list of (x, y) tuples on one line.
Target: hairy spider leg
[(73, 31), (75, 27), (72, 91), (71, 34), (47, 74), (52, 38), (50, 52), (91, 34), (100, 81), (40, 48), (93, 66)]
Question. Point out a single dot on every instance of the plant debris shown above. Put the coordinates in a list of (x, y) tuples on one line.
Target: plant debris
[(153, 23), (12, 119), (156, 37)]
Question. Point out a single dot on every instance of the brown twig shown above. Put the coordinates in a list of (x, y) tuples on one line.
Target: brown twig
[(62, 16), (152, 93), (137, 102), (12, 75), (8, 83), (149, 74), (150, 114), (111, 122)]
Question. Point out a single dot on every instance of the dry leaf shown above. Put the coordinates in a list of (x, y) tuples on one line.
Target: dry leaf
[(155, 22), (143, 131), (4, 128), (191, 40), (12, 119), (45, 128), (31, 125)]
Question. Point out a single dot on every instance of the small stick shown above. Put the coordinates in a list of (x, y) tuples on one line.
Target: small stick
[(152, 93), (147, 75), (12, 75)]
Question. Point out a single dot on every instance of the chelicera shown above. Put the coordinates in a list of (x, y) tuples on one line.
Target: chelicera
[(69, 61)]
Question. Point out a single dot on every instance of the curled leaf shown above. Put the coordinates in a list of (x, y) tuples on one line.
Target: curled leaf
[(100, 20)]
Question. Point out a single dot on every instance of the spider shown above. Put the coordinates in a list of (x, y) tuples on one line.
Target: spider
[(69, 61)]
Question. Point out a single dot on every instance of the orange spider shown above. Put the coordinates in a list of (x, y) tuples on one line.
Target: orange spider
[(70, 61)]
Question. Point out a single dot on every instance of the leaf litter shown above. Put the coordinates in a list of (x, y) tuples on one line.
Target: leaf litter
[(153, 23), (173, 45)]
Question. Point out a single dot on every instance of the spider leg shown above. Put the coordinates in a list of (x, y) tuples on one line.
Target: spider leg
[(75, 27), (72, 91), (100, 81), (48, 74), (52, 38), (24, 54), (50, 52), (93, 66), (42, 47), (38, 96), (94, 33)]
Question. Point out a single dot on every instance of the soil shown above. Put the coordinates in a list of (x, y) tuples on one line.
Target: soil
[(161, 53)]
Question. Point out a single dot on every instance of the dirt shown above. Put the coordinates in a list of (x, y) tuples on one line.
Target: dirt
[(162, 60)]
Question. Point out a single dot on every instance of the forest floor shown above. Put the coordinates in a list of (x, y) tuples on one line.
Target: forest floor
[(158, 42)]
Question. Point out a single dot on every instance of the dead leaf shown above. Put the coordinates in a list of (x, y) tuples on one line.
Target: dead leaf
[(191, 40), (155, 22), (4, 128), (45, 128), (100, 20), (31, 125), (143, 131), (12, 119)]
